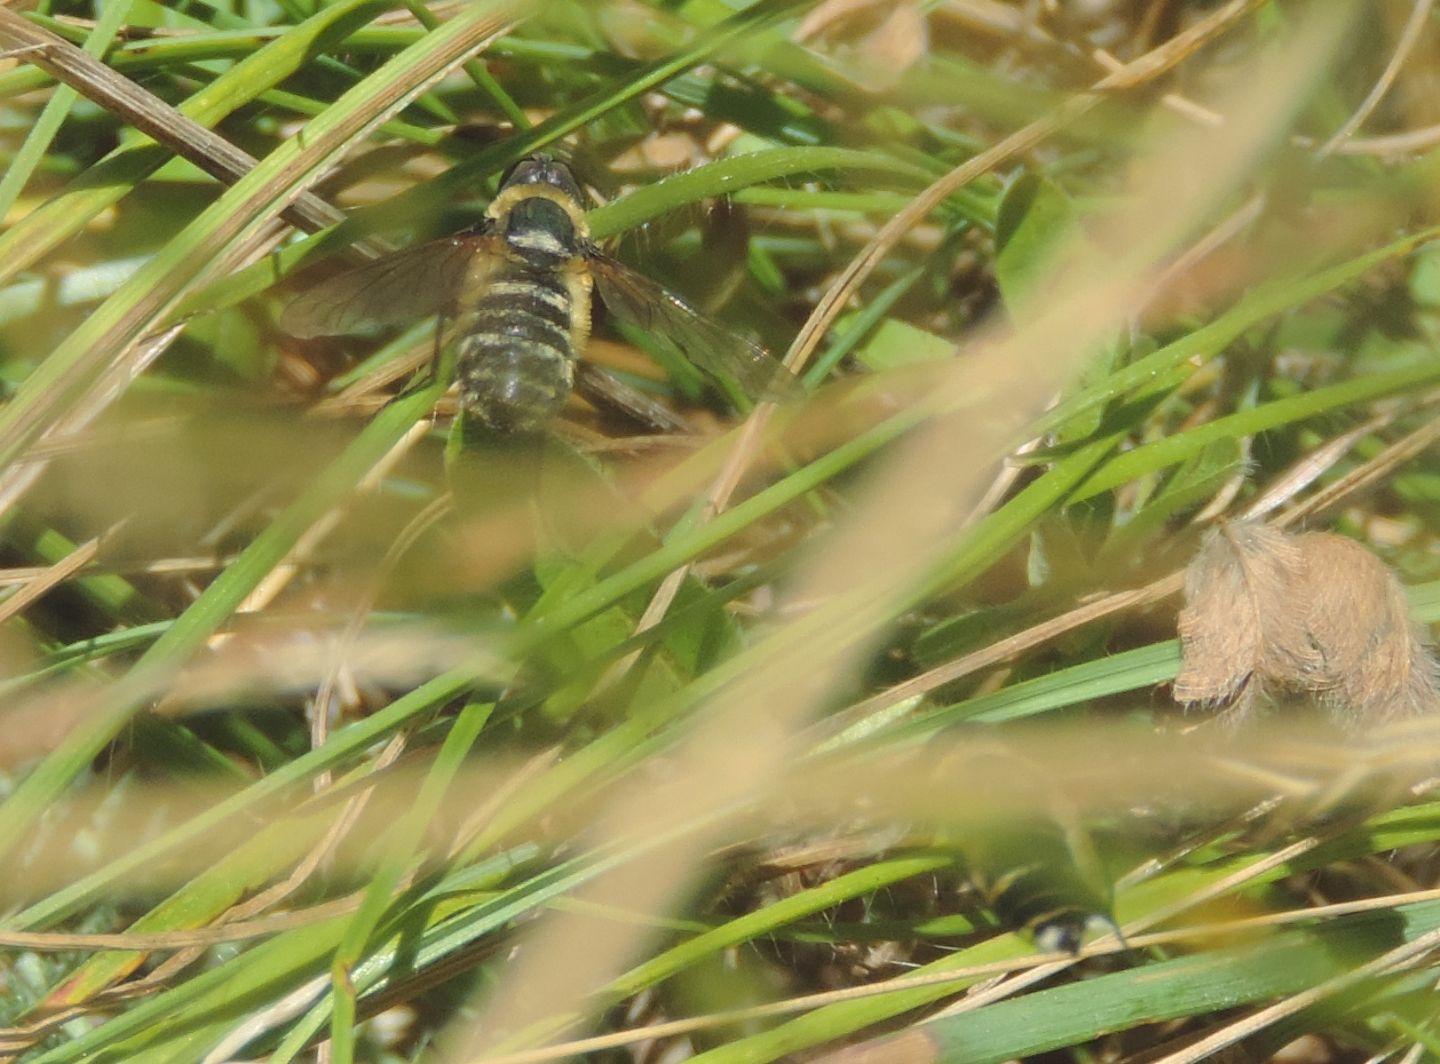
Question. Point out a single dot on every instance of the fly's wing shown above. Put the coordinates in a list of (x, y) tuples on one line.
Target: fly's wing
[(711, 346), (404, 287)]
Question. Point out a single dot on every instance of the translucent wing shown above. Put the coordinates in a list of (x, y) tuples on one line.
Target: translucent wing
[(711, 346), (404, 287)]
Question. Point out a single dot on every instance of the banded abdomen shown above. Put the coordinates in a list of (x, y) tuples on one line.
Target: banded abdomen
[(515, 351)]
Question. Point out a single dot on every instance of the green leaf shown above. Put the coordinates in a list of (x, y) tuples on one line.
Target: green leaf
[(1036, 222), (897, 344)]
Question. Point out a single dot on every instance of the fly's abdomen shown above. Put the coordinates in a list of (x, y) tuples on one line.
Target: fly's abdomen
[(515, 354)]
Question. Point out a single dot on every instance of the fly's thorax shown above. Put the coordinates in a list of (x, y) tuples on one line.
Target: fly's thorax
[(540, 234), (541, 225), (515, 348)]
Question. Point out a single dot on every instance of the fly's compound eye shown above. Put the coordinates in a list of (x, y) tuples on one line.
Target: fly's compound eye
[(548, 171)]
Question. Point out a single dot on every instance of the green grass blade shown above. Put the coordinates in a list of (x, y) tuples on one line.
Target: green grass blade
[(37, 141), (1172, 450)]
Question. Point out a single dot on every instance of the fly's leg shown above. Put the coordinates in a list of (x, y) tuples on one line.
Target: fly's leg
[(440, 373), (441, 367), (442, 357), (454, 446)]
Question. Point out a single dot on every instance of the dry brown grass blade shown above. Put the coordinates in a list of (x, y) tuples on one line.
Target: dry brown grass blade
[(1002, 650), (279, 659), (1409, 38), (1411, 142), (148, 113), (258, 1023), (46, 581), (1364, 475), (1303, 473), (147, 941)]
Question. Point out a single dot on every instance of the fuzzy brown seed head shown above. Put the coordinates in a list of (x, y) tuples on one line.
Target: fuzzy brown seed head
[(1269, 614)]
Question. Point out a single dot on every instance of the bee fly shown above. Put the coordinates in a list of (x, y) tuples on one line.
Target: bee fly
[(518, 289)]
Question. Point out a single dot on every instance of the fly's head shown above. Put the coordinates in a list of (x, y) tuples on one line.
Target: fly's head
[(543, 171)]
